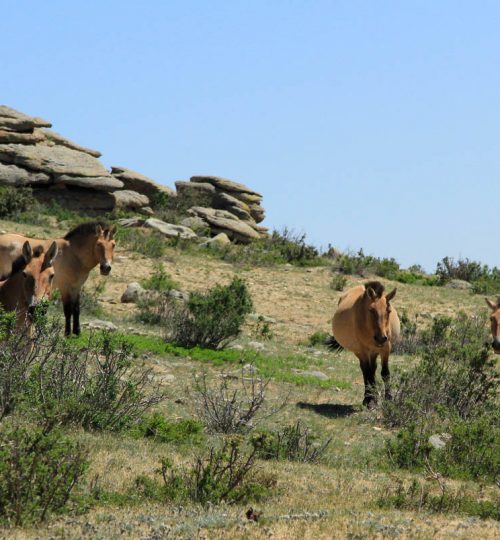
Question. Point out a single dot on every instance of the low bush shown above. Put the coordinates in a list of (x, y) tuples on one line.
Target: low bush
[(231, 405), (39, 468), (89, 299), (225, 474), (319, 338), (293, 443), (161, 429), (149, 243), (410, 339), (338, 282), (451, 394), (14, 201), (464, 269), (95, 387), (159, 280), (208, 319)]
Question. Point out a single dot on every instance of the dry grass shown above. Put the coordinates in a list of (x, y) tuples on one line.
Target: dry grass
[(334, 499)]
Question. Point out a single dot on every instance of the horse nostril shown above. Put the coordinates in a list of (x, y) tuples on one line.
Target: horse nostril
[(384, 339)]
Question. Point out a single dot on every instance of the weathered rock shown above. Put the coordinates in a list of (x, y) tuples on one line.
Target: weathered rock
[(169, 229), (221, 239), (56, 138), (129, 199), (100, 183), (52, 159), (316, 374), (97, 324), (131, 222), (195, 223), (248, 198), (193, 194), (10, 175), (226, 201), (439, 440), (261, 318), (132, 293), (458, 284), (147, 211), (225, 184), (257, 212), (256, 345), (142, 184), (222, 221), (78, 199), (7, 137), (182, 296), (18, 121)]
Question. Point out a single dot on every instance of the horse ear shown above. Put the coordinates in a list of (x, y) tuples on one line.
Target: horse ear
[(490, 304), (370, 293), (27, 251), (391, 295), (99, 231), (112, 232), (50, 256)]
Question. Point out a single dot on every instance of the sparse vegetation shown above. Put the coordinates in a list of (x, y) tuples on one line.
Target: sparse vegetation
[(39, 468), (15, 201), (159, 280), (208, 319), (293, 443)]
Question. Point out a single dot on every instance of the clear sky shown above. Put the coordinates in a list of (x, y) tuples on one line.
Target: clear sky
[(370, 124)]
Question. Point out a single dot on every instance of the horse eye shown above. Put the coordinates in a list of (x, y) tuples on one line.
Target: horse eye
[(51, 277), (25, 275)]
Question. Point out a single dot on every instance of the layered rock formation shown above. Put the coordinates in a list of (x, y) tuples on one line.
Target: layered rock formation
[(60, 170)]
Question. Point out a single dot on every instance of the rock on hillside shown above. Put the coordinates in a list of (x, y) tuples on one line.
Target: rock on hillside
[(60, 170)]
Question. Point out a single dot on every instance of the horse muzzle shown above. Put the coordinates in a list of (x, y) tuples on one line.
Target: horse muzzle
[(380, 340), (105, 269), (496, 345)]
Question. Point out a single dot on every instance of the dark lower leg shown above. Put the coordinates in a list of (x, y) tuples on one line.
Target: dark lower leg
[(68, 310), (76, 317), (386, 377)]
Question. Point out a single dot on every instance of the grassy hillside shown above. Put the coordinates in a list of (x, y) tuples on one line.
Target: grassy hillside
[(337, 497)]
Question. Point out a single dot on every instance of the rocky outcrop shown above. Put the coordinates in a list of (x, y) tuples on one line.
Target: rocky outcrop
[(60, 170)]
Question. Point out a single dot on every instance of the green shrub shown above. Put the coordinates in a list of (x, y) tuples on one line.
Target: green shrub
[(159, 280), (293, 443), (38, 471), (14, 201), (208, 319), (455, 374), (410, 340), (149, 243), (464, 269), (319, 338), (89, 299), (338, 282), (418, 496), (225, 474), (162, 430), (94, 386)]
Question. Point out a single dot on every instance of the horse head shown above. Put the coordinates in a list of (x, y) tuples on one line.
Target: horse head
[(378, 308), (37, 275), (495, 323), (104, 248)]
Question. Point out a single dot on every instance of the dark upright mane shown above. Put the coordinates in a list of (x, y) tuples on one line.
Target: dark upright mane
[(85, 229), (377, 287)]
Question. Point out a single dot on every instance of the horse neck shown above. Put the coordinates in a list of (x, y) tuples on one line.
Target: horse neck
[(9, 293), (82, 251)]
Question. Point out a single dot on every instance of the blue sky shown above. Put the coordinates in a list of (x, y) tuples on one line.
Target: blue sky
[(364, 124)]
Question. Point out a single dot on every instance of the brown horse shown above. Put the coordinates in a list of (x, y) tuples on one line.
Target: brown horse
[(366, 324), (30, 281), (83, 248), (495, 323)]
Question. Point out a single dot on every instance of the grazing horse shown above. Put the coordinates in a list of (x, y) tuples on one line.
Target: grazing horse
[(495, 323), (30, 281), (366, 324), (83, 248)]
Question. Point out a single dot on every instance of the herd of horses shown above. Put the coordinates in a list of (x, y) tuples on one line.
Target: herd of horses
[(364, 323)]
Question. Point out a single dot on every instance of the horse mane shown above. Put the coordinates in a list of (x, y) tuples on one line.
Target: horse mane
[(85, 229), (377, 287)]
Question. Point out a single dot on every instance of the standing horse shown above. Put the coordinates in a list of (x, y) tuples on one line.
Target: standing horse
[(366, 324), (495, 323), (30, 281), (83, 248)]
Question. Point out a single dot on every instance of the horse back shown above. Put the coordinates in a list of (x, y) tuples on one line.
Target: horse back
[(346, 319)]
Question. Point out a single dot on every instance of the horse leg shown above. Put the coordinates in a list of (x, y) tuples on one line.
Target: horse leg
[(68, 311), (76, 316), (369, 379), (386, 376)]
